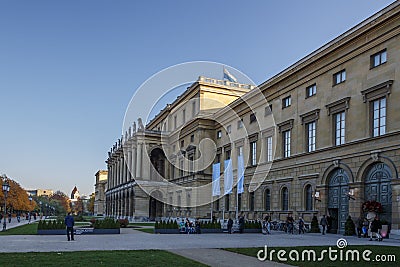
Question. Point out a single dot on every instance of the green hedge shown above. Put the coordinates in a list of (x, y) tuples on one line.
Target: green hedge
[(107, 223), (51, 225)]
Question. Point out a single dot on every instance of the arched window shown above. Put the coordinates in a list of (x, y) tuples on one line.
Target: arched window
[(285, 198), (308, 197), (267, 196), (251, 196)]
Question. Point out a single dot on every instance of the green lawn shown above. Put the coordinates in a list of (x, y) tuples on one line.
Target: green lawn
[(326, 262), (26, 229), (146, 230), (142, 224), (97, 258)]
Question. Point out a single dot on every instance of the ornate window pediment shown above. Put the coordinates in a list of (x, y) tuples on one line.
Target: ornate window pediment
[(377, 91), (338, 106)]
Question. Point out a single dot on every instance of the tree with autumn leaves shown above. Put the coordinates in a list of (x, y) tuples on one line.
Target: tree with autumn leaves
[(17, 198), (62, 200)]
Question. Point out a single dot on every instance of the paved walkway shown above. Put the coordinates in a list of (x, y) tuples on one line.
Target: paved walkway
[(203, 248), (15, 223)]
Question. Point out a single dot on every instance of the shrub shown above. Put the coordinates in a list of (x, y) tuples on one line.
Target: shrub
[(123, 223), (51, 225), (349, 228), (107, 223), (314, 225)]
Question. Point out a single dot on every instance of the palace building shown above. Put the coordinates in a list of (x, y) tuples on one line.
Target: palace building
[(320, 137)]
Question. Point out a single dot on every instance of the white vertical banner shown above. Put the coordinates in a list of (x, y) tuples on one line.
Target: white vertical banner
[(228, 176), (240, 173), (215, 179)]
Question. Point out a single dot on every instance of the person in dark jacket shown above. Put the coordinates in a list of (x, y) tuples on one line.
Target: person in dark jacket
[(230, 225), (69, 222), (323, 222), (241, 224), (376, 227)]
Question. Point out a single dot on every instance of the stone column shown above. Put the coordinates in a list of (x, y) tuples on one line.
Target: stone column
[(120, 171), (145, 163), (117, 170), (129, 164), (139, 161), (133, 166), (123, 169)]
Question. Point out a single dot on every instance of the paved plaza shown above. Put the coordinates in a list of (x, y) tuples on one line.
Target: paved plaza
[(203, 247)]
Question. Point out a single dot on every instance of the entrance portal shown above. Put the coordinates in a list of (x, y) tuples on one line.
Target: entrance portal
[(377, 187), (338, 201)]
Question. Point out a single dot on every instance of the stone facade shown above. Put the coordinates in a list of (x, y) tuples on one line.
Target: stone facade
[(325, 140), (100, 192)]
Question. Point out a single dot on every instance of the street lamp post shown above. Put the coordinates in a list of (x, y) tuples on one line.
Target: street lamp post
[(40, 211), (30, 210), (6, 189)]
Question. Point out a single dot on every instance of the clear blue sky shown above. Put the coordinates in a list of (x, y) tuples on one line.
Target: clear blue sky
[(69, 68)]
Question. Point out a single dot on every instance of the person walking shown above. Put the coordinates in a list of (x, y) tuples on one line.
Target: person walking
[(323, 223), (19, 216), (9, 217), (230, 225), (376, 227), (301, 226), (69, 222), (241, 224)]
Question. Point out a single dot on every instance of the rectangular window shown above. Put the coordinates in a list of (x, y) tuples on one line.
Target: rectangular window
[(240, 124), (286, 143), (218, 158), (227, 154), (311, 90), (175, 122), (219, 134), (251, 198), (216, 205), (340, 124), (193, 109), (192, 138), (227, 202), (268, 110), (379, 117), (191, 163), (253, 117), (183, 116), (378, 58), (181, 167), (182, 143), (339, 77), (228, 129), (286, 102), (253, 151), (269, 149), (311, 131)]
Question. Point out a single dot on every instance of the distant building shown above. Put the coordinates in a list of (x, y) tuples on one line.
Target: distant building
[(100, 192), (75, 194), (40, 192)]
